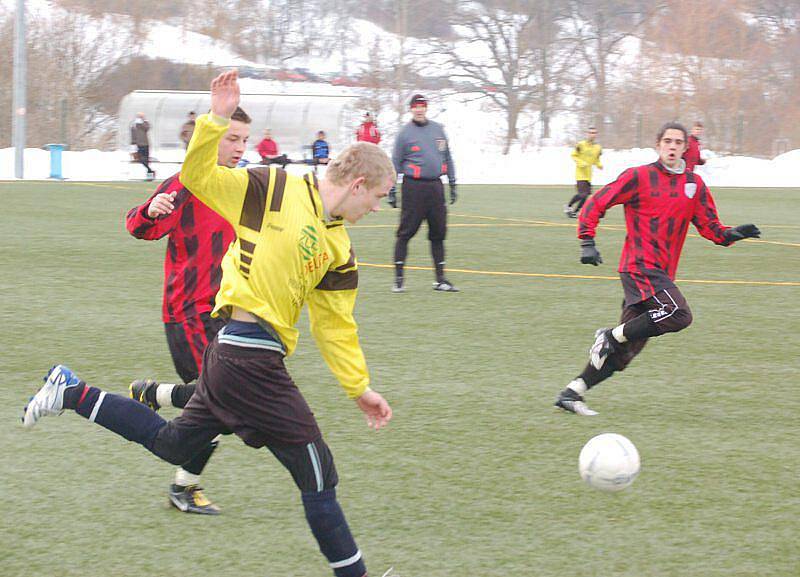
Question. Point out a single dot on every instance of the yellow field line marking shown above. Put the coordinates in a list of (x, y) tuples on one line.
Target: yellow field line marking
[(622, 227), (98, 185), (453, 225), (585, 277)]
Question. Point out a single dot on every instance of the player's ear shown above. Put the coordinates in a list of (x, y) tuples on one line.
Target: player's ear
[(356, 183)]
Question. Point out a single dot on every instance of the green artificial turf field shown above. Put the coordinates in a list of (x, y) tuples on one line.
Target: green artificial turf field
[(477, 473)]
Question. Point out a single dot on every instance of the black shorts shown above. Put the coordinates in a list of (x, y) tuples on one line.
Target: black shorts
[(188, 340), (422, 200), (250, 393)]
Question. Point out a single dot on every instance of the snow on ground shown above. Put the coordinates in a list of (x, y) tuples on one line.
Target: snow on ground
[(545, 165)]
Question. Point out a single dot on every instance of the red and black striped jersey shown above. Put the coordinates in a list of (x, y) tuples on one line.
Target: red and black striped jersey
[(197, 240), (692, 154), (659, 206)]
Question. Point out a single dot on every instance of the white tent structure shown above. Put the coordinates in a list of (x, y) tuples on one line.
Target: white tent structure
[(293, 118)]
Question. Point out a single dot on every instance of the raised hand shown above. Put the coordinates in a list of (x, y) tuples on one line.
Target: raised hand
[(225, 94)]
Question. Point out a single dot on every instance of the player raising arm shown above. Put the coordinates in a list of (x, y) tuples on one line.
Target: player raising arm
[(292, 248), (661, 200)]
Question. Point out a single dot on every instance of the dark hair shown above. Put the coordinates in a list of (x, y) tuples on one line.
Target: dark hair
[(672, 126), (241, 116), (592, 128), (698, 124)]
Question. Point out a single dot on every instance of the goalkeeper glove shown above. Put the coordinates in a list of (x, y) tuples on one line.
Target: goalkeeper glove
[(453, 195), (589, 254), (392, 198), (742, 231)]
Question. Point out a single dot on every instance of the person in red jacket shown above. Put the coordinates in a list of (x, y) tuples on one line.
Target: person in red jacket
[(197, 240), (368, 131), (661, 200), (692, 154), (268, 150)]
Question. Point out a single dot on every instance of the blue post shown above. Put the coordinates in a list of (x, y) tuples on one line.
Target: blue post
[(55, 159)]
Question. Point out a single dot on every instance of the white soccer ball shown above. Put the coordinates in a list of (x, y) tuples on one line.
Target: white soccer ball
[(609, 462)]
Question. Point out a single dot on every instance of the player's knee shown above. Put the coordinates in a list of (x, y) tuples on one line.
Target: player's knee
[(311, 465), (178, 446), (683, 317), (679, 319)]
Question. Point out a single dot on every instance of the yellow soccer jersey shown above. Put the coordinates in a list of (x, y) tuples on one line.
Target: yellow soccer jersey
[(286, 253), (585, 155)]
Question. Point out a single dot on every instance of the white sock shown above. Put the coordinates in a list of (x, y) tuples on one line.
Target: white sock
[(184, 478), (164, 395), (617, 334), (579, 386)]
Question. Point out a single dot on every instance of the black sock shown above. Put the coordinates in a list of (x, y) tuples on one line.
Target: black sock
[(122, 415), (592, 376), (196, 465), (641, 327), (327, 522), (181, 394), (72, 395), (437, 251), (575, 199)]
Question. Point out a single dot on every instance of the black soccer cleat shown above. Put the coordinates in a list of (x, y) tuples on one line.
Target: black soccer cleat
[(572, 402), (144, 391), (190, 499), (604, 345), (444, 286)]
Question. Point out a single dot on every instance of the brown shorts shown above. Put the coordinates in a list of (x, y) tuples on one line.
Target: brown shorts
[(250, 393)]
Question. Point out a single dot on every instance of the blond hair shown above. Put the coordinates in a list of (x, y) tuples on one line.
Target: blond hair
[(361, 159)]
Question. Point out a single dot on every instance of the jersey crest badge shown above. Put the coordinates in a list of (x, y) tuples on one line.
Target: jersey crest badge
[(441, 144), (689, 189)]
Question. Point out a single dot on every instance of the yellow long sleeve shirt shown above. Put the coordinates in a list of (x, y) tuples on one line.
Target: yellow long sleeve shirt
[(586, 155), (286, 253)]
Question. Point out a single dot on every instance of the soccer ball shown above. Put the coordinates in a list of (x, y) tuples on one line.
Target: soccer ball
[(609, 462)]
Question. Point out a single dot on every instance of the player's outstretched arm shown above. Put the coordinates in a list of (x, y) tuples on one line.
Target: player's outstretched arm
[(741, 232), (376, 409)]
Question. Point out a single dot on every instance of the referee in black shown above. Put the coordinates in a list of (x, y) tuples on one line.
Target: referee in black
[(422, 155)]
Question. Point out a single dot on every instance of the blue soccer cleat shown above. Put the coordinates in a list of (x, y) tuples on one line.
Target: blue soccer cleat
[(49, 400)]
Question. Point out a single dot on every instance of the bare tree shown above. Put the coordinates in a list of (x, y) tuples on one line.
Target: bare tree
[(504, 52), (599, 29), (63, 76)]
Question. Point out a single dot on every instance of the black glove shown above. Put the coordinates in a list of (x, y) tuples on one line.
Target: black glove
[(392, 198), (742, 231), (453, 195), (589, 254)]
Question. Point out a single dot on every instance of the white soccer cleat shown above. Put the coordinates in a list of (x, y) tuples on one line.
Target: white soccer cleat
[(572, 402), (49, 400)]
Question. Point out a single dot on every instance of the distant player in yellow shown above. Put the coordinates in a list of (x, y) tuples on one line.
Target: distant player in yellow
[(586, 154), (291, 249)]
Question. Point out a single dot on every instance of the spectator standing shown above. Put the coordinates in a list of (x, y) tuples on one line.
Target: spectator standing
[(141, 140), (187, 129), (422, 155), (368, 131)]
